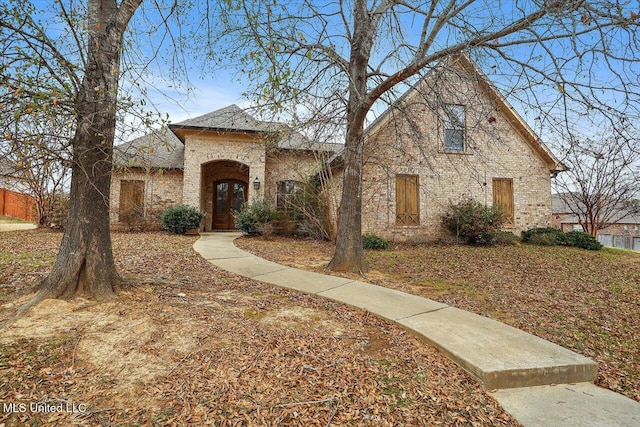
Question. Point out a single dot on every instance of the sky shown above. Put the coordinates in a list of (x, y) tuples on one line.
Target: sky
[(210, 86)]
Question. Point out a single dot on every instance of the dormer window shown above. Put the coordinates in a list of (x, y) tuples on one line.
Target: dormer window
[(454, 128)]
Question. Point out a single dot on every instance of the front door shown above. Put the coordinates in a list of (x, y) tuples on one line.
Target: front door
[(228, 198)]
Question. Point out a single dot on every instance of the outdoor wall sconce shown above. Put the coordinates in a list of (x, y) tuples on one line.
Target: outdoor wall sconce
[(256, 184)]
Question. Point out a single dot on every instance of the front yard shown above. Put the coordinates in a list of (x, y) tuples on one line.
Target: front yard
[(585, 301), (189, 344)]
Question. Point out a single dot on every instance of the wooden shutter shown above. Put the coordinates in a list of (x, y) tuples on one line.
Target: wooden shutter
[(503, 197), (131, 199), (407, 201)]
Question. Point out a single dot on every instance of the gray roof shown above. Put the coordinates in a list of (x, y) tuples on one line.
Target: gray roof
[(231, 118), (560, 205), (628, 219), (160, 149), (163, 149)]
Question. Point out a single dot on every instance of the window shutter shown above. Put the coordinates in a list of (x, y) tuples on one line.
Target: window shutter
[(131, 199), (407, 201), (503, 197)]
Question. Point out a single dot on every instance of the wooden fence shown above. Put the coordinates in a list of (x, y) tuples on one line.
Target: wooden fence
[(17, 205)]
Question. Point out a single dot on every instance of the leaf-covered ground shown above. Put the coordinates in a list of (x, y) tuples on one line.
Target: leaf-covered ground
[(582, 300), (188, 344)]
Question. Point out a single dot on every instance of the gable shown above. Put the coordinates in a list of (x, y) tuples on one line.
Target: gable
[(457, 81)]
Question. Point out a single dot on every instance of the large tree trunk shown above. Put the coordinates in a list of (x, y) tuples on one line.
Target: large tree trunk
[(349, 255), (85, 265)]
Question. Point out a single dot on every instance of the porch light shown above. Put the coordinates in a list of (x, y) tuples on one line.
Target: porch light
[(256, 183)]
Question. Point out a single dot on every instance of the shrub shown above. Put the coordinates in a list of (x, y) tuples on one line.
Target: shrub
[(544, 239), (507, 238), (59, 212), (252, 217), (309, 206), (371, 241), (582, 240), (552, 236), (552, 233), (180, 219), (473, 222)]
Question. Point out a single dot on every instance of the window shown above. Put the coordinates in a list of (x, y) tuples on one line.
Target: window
[(454, 127), (407, 200), (286, 192), (131, 200), (576, 227), (503, 198)]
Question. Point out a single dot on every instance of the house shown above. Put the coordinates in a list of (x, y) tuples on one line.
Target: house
[(451, 136), (623, 233), (215, 162)]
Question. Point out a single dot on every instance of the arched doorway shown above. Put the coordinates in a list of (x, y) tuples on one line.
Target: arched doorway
[(224, 191)]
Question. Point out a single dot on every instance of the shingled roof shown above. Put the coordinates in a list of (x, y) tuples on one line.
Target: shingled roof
[(160, 149), (164, 148), (227, 119)]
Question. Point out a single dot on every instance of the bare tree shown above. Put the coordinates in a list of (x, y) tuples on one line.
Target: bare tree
[(601, 185), (563, 58), (89, 74), (36, 146)]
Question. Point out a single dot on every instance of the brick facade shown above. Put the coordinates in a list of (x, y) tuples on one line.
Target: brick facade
[(202, 148), (410, 141), (289, 165), (407, 141), (162, 189)]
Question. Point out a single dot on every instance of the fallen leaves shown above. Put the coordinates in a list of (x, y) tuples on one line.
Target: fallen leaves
[(188, 344), (583, 300)]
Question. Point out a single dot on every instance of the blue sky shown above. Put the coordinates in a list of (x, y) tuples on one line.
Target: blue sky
[(211, 86)]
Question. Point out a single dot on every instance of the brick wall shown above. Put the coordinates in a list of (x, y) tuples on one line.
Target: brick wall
[(412, 142), (162, 189), (288, 165), (202, 148)]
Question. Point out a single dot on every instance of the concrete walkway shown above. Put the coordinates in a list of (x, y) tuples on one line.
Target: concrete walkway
[(538, 382), (16, 226)]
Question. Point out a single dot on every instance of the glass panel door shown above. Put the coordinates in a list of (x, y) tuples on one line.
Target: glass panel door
[(228, 198)]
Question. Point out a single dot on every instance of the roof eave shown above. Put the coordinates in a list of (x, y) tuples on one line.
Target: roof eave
[(176, 127)]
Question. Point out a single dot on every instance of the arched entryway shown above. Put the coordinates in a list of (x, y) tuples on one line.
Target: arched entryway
[(224, 191)]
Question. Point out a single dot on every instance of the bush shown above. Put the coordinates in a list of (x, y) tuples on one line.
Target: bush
[(507, 238), (180, 219), (252, 217), (552, 236), (473, 222), (371, 241), (582, 240), (59, 212), (544, 239)]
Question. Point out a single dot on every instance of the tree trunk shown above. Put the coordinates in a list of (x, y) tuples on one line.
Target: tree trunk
[(349, 255), (85, 265)]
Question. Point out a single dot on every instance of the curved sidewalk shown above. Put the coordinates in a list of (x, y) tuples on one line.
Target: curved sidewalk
[(538, 382)]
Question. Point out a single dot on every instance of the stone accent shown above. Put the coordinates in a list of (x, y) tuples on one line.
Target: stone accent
[(205, 147)]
